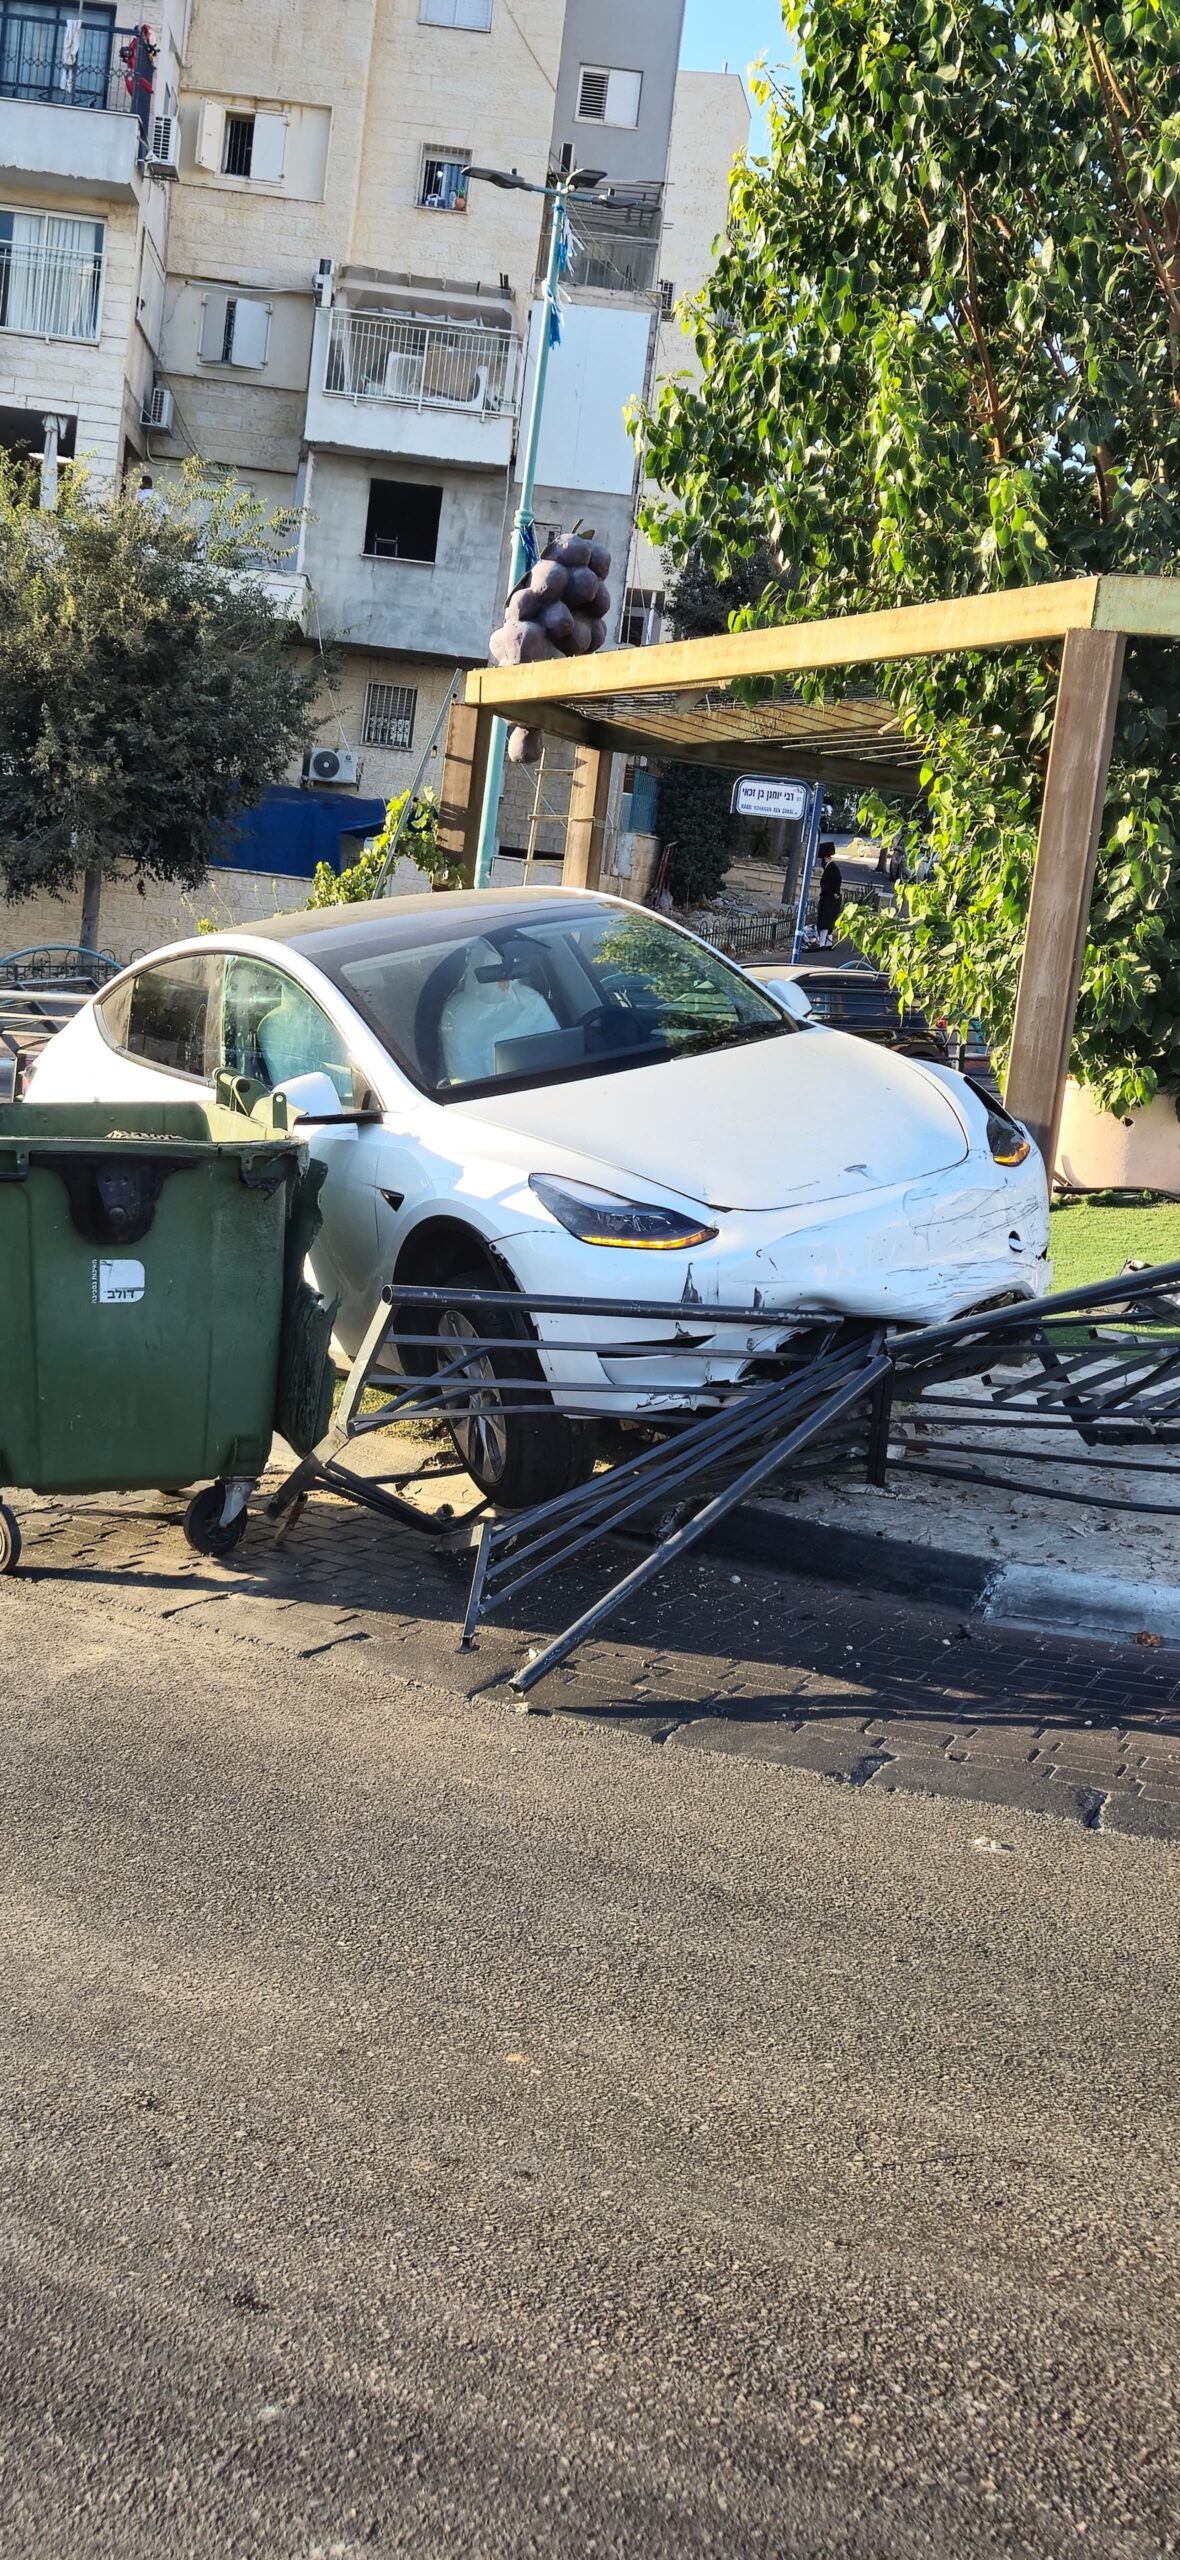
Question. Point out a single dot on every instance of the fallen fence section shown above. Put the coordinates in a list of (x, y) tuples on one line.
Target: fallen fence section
[(743, 1446), (1100, 1364)]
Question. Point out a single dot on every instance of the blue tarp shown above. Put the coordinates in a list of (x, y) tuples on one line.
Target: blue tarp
[(292, 830)]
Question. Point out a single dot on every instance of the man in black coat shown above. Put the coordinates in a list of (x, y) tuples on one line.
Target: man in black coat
[(831, 894)]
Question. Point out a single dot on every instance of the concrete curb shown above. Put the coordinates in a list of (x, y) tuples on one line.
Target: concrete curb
[(1047, 1597)]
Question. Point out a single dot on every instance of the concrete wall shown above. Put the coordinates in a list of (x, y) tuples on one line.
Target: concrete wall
[(248, 420), (289, 58), (383, 771), (487, 94), (442, 608), (130, 923), (619, 35), (710, 129)]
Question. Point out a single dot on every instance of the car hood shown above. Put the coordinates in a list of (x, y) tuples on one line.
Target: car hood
[(813, 1116)]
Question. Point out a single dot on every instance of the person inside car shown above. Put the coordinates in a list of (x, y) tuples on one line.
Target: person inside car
[(493, 1001)]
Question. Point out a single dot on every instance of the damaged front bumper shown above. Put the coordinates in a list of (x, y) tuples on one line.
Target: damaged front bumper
[(920, 1254)]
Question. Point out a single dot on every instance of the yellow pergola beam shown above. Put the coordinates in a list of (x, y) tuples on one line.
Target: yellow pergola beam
[(1010, 619), (1093, 617)]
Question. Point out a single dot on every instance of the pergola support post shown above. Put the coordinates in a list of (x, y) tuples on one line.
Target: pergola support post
[(1063, 881), (465, 764), (585, 830)]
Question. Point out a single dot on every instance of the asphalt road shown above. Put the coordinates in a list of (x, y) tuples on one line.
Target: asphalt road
[(432, 2130)]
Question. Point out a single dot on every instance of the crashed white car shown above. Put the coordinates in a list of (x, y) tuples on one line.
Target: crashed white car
[(573, 1097)]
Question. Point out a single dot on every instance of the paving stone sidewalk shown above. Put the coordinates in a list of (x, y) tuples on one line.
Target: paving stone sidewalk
[(863, 1692)]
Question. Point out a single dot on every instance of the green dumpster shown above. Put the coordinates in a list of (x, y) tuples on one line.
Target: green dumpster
[(143, 1256)]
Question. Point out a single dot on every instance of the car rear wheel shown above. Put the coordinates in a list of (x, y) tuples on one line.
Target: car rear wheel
[(517, 1449)]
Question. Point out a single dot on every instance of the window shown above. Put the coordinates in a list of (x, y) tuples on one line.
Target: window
[(240, 142), (643, 613), (473, 14), (50, 274), (234, 330), (237, 150), (389, 715), (562, 988), (272, 1030), (443, 184), (403, 520), (162, 1016), (608, 97)]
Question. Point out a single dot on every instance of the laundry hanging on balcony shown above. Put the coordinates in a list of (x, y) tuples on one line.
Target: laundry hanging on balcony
[(71, 46)]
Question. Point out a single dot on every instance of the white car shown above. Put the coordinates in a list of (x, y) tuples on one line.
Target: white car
[(575, 1098)]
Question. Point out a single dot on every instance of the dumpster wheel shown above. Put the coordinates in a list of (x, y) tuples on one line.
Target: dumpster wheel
[(203, 1524), (9, 1539)]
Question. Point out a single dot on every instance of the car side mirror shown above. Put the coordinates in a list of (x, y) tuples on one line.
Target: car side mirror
[(311, 1097), (793, 998)]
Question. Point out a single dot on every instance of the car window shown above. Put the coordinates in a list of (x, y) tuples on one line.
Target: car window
[(533, 999), (163, 1014), (272, 1030)]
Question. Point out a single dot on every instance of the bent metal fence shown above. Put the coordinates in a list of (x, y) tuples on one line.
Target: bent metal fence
[(722, 1401)]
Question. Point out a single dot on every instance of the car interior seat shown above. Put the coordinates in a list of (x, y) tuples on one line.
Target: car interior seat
[(291, 1041)]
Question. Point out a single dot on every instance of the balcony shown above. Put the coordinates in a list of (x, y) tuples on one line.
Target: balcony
[(436, 390), (615, 242), (288, 591), (82, 122)]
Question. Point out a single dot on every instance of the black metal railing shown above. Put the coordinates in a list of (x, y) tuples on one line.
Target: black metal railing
[(736, 933), (65, 58)]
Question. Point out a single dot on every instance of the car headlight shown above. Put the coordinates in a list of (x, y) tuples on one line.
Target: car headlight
[(606, 1217), (1005, 1137)]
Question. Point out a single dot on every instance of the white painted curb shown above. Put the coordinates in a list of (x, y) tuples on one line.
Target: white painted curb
[(1082, 1604)]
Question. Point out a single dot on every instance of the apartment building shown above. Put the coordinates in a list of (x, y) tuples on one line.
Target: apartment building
[(710, 130), (88, 100), (346, 317), (248, 236), (349, 317)]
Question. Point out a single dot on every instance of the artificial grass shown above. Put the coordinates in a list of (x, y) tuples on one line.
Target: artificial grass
[(1092, 1239)]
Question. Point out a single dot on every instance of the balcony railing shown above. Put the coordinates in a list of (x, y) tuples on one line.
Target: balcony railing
[(112, 69), (615, 242), (50, 292), (420, 364)]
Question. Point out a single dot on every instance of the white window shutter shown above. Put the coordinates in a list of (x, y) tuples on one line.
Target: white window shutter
[(251, 330), (622, 104), (207, 149), (270, 147), (213, 328)]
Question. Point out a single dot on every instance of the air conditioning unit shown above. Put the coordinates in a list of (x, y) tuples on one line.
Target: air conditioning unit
[(159, 409), (329, 764), (164, 155), (325, 277)]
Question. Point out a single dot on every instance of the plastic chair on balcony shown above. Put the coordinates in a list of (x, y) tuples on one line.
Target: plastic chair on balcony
[(404, 370)]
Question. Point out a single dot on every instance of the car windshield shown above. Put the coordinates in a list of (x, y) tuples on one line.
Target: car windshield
[(547, 995)]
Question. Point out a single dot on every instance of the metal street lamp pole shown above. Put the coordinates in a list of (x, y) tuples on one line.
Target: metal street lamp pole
[(559, 194)]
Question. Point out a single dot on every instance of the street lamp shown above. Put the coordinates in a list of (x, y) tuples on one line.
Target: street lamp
[(577, 186)]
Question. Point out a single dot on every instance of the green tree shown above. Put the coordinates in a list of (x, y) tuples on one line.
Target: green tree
[(148, 690), (940, 352), (418, 841)]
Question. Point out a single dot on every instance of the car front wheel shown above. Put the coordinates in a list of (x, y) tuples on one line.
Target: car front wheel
[(514, 1445)]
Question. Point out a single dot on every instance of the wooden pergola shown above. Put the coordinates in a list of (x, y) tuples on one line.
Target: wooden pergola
[(677, 700)]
